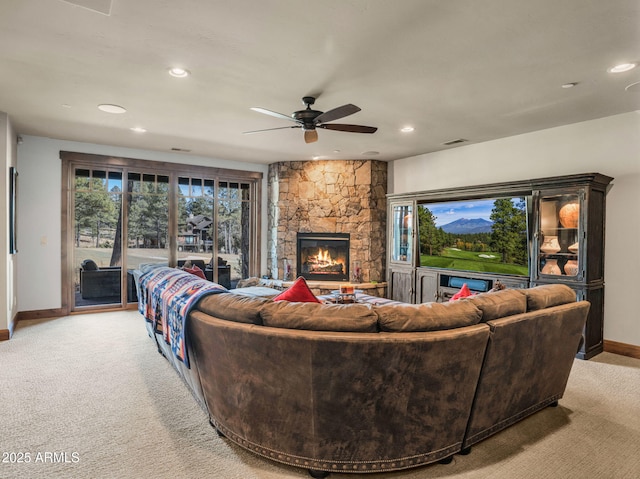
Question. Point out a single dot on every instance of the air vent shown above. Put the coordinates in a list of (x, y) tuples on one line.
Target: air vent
[(181, 150), (454, 142)]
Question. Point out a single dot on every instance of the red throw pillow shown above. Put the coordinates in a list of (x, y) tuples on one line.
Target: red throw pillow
[(463, 293), (298, 292), (195, 270)]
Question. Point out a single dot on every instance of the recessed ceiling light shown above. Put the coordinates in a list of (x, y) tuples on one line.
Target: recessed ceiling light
[(179, 72), (111, 108), (407, 129), (316, 157), (622, 67), (138, 129), (570, 85), (370, 153), (65, 105)]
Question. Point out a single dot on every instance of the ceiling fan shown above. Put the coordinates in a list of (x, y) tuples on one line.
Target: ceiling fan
[(309, 120)]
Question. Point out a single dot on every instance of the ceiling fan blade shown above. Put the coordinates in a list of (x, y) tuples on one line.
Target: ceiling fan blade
[(274, 113), (310, 136), (269, 129), (349, 128), (336, 113)]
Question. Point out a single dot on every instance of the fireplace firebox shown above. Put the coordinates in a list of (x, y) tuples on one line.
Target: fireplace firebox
[(323, 256)]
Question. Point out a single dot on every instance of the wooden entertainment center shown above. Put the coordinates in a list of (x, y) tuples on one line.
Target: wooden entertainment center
[(565, 233)]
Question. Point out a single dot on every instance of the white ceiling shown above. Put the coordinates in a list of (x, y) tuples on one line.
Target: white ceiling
[(472, 69)]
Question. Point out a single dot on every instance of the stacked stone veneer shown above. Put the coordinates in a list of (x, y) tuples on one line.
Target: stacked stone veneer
[(335, 196)]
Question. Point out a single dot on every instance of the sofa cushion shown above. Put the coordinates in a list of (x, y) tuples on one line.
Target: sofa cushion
[(320, 317), (548, 295), (256, 291), (195, 270), (499, 304), (299, 291), (233, 307), (427, 316)]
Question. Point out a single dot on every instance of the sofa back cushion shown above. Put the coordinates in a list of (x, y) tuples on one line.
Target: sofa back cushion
[(499, 304), (320, 316), (548, 295), (263, 291), (427, 316), (233, 307)]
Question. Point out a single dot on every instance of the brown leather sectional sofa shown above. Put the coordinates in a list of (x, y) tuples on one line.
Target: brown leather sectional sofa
[(365, 388)]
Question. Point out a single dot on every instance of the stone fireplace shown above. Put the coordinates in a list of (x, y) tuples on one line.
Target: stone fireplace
[(323, 256), (345, 197)]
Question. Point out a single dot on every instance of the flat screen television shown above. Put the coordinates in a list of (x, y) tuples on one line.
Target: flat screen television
[(488, 235)]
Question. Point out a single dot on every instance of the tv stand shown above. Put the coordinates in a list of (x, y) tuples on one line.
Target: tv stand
[(565, 241), (434, 284)]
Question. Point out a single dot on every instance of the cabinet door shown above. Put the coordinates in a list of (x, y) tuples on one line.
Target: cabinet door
[(401, 233), (427, 286), (558, 246), (401, 285)]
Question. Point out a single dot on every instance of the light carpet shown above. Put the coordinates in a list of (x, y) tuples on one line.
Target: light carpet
[(88, 396)]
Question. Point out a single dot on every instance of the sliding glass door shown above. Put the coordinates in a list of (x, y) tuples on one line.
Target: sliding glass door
[(147, 212), (233, 228), (195, 222), (214, 225), (97, 237), (123, 213)]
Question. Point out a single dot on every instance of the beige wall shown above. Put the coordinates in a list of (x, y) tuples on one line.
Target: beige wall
[(39, 201), (608, 145)]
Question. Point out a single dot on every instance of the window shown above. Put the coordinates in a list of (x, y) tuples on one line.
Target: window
[(130, 212)]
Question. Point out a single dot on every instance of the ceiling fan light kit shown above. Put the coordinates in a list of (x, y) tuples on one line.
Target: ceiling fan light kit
[(309, 120)]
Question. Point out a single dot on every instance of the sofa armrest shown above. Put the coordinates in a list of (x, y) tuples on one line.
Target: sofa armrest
[(526, 367)]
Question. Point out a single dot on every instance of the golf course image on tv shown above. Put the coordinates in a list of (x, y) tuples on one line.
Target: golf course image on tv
[(482, 235)]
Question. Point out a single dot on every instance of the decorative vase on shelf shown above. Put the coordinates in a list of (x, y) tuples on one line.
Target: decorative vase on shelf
[(569, 215), (571, 268), (551, 267), (550, 245)]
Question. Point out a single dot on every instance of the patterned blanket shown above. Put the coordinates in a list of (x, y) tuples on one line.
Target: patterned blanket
[(165, 297)]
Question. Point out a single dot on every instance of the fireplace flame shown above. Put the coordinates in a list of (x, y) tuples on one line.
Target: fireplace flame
[(324, 257), (323, 262)]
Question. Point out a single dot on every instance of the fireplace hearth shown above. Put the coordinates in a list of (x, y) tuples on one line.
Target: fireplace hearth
[(323, 256)]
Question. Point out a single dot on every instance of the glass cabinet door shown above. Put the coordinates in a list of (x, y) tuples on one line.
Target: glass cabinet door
[(559, 239), (402, 233)]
